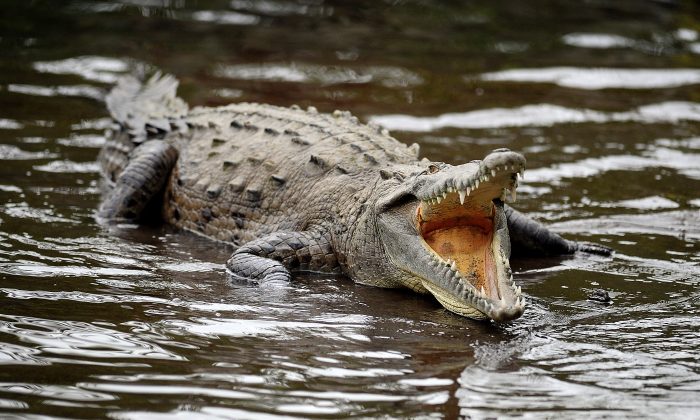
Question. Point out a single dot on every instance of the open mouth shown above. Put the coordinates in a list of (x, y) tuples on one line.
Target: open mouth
[(463, 225)]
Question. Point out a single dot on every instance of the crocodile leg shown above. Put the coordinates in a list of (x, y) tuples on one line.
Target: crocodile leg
[(267, 260), (529, 237), (140, 181)]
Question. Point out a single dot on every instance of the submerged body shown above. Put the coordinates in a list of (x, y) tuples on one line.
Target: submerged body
[(295, 189)]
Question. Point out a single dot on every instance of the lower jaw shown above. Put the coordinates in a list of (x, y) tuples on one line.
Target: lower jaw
[(452, 304)]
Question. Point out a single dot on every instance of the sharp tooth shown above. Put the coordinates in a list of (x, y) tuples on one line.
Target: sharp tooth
[(476, 184), (454, 266), (503, 301), (439, 200), (444, 195), (462, 195), (493, 172), (518, 291), (469, 191), (522, 173), (482, 291)]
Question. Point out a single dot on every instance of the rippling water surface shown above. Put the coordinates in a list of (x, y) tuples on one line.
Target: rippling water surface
[(139, 322)]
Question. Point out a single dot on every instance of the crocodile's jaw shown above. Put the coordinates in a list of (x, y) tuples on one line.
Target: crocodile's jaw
[(469, 257), (456, 243)]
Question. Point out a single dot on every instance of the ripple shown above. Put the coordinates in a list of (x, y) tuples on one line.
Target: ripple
[(647, 203), (12, 404), (184, 391), (224, 17), (24, 211), (83, 140), (657, 157), (599, 78), (374, 354), (67, 166), (230, 378), (81, 339), (280, 330), (7, 124), (69, 393), (686, 34), (203, 413), (13, 354), (96, 124), (84, 91), (44, 270), (598, 41), (485, 393), (392, 77), (279, 8), (94, 68), (10, 188), (83, 297), (191, 267), (338, 372), (541, 115), (10, 152), (580, 379), (427, 382)]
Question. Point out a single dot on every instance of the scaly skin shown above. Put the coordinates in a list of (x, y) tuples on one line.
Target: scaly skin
[(295, 189)]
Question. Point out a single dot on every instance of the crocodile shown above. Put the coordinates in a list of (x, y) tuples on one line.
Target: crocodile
[(298, 190)]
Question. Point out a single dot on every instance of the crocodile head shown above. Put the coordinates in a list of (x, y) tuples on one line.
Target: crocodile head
[(445, 229)]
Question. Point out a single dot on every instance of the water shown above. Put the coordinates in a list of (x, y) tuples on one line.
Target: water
[(139, 322)]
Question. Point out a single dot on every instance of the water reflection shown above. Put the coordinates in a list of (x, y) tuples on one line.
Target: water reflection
[(93, 68), (224, 18), (81, 339), (599, 78), (391, 77), (77, 90), (603, 41), (542, 115)]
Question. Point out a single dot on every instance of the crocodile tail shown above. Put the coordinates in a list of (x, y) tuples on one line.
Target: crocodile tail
[(147, 109)]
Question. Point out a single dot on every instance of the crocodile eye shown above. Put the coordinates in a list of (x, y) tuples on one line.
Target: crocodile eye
[(433, 169)]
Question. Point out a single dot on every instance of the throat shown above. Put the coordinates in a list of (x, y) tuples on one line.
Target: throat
[(468, 243)]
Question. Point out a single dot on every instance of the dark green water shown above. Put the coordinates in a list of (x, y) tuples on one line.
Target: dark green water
[(602, 97)]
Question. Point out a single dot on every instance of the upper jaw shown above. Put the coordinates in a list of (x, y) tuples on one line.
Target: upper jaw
[(467, 178)]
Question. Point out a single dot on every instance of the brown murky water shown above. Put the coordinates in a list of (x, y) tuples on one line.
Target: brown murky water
[(135, 322)]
